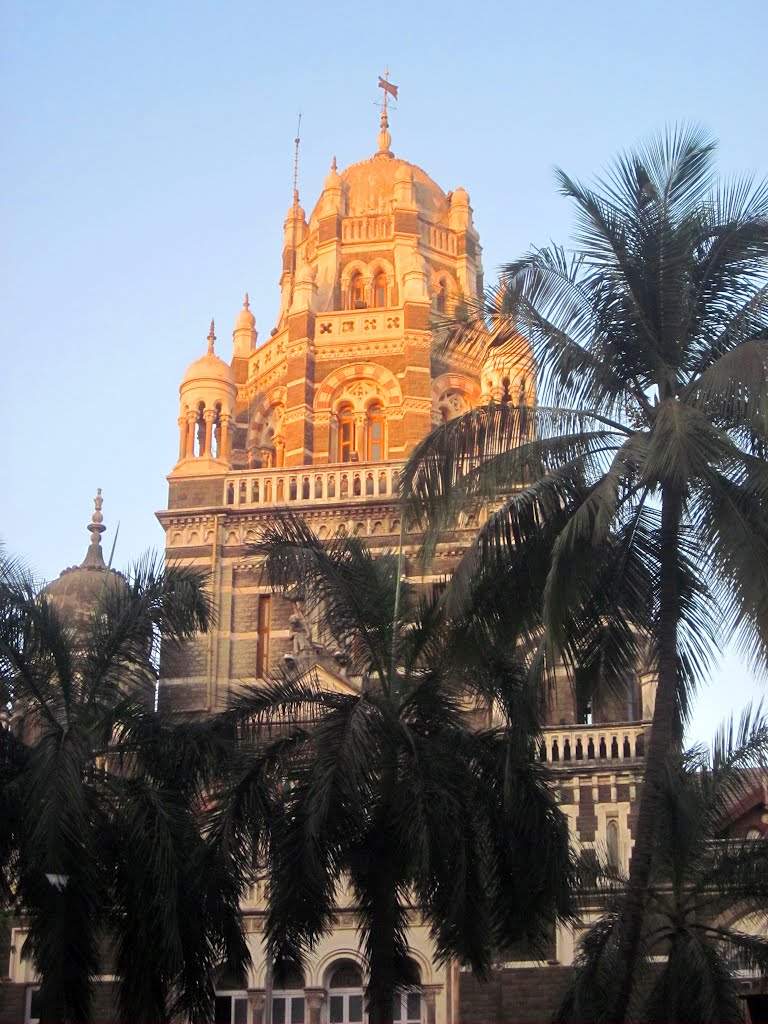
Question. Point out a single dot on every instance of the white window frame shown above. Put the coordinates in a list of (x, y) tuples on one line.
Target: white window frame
[(288, 995), (28, 1018), (402, 995), (235, 993), (345, 994)]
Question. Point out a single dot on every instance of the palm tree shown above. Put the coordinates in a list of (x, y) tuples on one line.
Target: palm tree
[(645, 457), (101, 843), (390, 787), (704, 887)]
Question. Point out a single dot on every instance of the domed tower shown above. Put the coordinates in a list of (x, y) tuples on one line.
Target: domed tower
[(207, 399), (322, 414), (79, 589)]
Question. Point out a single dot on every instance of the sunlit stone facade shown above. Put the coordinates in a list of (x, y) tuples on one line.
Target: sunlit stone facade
[(320, 417)]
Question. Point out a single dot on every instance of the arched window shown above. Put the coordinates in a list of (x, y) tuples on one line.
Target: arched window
[(612, 842), (231, 1000), (374, 448), (288, 998), (345, 998), (380, 290), (441, 299), (357, 292), (346, 433), (407, 1008)]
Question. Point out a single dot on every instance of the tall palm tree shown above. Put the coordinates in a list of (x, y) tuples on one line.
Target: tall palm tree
[(101, 799), (390, 787), (647, 448), (705, 887)]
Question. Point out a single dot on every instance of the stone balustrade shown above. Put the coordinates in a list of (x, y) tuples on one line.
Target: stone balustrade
[(360, 229), (620, 741), (312, 485), (438, 238)]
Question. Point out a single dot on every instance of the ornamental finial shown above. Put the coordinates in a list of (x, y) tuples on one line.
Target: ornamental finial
[(385, 139), (211, 338), (96, 527)]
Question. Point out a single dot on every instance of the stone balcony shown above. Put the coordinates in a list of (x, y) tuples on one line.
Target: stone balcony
[(349, 482), (605, 743)]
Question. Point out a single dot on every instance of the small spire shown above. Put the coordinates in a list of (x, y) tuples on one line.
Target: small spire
[(296, 142), (246, 302), (211, 338), (333, 164), (94, 557)]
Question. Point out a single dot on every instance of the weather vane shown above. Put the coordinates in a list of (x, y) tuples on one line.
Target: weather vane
[(389, 90)]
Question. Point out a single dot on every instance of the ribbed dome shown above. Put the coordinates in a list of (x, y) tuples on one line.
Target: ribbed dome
[(369, 187), (80, 589)]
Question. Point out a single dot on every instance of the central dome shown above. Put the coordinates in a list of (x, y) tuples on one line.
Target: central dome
[(369, 188)]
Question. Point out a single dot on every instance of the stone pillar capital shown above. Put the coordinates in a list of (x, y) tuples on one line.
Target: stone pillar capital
[(315, 998), (257, 1000), (429, 992), (209, 415)]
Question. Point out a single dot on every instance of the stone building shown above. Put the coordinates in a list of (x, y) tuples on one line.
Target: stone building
[(320, 417)]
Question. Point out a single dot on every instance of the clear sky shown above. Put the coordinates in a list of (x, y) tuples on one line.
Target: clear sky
[(146, 169)]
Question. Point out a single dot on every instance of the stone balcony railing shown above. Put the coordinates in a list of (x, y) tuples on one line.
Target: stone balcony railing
[(361, 229), (312, 485), (608, 742)]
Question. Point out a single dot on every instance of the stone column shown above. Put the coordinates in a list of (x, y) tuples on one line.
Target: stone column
[(222, 452), (429, 993), (279, 452), (361, 422), (257, 999), (182, 421), (315, 998), (191, 424), (209, 415)]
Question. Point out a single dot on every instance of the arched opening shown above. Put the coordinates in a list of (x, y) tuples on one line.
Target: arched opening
[(217, 438), (380, 296), (612, 843), (346, 433), (407, 1008), (345, 998), (200, 421), (288, 997), (441, 297), (357, 292), (374, 447), (231, 999)]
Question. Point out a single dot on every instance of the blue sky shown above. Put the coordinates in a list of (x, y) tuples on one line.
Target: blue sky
[(146, 171)]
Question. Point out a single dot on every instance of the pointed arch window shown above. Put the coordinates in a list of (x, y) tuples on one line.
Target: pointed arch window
[(375, 440), (380, 291), (346, 433)]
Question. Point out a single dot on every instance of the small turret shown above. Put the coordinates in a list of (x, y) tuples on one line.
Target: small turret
[(245, 335), (207, 393)]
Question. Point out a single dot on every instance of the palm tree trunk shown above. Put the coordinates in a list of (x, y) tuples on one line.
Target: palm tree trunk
[(383, 928), (664, 733)]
